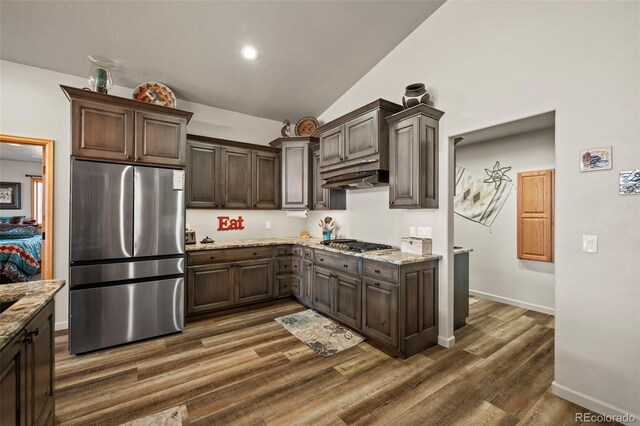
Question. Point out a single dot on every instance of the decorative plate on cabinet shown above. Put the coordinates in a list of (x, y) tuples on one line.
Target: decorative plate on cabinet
[(155, 93), (306, 126)]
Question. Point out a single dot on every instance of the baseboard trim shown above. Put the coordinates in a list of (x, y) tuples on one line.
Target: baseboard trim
[(514, 302), (593, 404), (62, 325), (447, 342)]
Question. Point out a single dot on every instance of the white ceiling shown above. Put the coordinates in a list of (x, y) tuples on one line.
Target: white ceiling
[(20, 153), (311, 52), (515, 127)]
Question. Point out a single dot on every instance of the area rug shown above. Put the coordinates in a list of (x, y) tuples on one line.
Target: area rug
[(168, 417), (324, 336)]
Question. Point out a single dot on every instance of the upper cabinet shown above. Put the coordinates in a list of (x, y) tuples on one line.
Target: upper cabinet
[(222, 174), (413, 155), (301, 180), (357, 141), (112, 128)]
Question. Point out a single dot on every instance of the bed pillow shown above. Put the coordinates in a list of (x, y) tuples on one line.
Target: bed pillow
[(5, 219), (16, 220), (11, 232)]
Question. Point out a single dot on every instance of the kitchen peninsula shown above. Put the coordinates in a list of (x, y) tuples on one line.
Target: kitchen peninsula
[(387, 295)]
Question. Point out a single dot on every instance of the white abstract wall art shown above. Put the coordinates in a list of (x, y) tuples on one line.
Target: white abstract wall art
[(596, 159), (630, 182), (478, 200)]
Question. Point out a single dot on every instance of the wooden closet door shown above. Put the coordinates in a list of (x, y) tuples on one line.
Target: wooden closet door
[(535, 215)]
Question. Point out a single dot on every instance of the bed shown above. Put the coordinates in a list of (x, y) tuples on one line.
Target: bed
[(20, 252)]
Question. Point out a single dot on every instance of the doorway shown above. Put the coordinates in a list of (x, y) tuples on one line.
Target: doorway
[(499, 173), (26, 209)]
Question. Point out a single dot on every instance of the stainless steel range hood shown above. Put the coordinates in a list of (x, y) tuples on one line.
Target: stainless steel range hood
[(358, 180)]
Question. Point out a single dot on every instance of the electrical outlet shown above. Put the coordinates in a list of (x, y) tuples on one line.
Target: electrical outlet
[(268, 225), (590, 243), (424, 232), (412, 231)]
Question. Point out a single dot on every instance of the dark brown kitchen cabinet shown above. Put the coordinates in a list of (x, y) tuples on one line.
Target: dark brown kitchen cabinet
[(202, 178), (296, 182), (160, 139), (265, 189), (380, 312), (253, 281), (106, 127), (306, 280), (413, 158), (322, 290), (348, 299), (236, 178), (209, 287), (27, 373), (323, 198), (357, 141)]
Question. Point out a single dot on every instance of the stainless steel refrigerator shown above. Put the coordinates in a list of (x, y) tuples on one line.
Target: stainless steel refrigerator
[(126, 269)]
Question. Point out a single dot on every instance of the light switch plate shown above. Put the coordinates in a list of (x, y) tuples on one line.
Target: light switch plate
[(412, 231), (268, 225), (424, 232), (590, 243)]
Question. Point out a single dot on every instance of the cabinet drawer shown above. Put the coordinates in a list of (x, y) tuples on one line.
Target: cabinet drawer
[(380, 271), (297, 251), (229, 255), (342, 263), (284, 285), (283, 266), (283, 251), (308, 254)]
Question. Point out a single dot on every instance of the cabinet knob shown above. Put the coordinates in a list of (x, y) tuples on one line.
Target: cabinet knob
[(377, 271), (345, 266), (128, 157), (137, 158), (341, 158), (376, 284), (213, 257), (390, 203), (321, 260)]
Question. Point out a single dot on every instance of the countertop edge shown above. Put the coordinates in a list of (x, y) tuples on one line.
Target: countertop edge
[(27, 306)]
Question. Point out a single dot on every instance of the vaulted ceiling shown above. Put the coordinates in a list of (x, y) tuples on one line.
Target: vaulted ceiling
[(310, 52)]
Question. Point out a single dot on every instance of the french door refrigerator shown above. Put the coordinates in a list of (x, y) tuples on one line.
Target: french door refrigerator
[(126, 268)]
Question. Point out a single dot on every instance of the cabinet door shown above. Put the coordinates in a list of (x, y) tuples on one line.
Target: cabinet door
[(40, 361), (295, 177), (284, 285), (361, 136), (307, 279), (348, 299), (320, 195), (380, 311), (332, 147), (160, 139), (265, 180), (13, 384), (102, 131), (209, 287), (404, 167), (253, 281), (202, 175), (236, 178), (322, 290)]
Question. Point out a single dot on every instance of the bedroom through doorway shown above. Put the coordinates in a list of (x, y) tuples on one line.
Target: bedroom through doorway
[(26, 209)]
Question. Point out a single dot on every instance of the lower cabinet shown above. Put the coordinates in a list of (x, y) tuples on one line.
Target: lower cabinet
[(348, 299), (322, 290), (380, 311), (306, 280), (27, 373), (253, 281), (209, 287)]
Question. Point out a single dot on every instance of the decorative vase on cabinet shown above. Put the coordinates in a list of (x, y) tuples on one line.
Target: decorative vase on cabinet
[(415, 94)]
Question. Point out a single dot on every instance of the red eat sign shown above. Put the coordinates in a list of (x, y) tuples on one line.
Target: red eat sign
[(227, 224)]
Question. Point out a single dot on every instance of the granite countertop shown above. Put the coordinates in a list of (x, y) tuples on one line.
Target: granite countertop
[(30, 298), (393, 255), (461, 250)]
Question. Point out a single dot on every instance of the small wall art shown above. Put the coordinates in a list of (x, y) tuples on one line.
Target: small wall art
[(630, 182), (10, 195), (596, 159)]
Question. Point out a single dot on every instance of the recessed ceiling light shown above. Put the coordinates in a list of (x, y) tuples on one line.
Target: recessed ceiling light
[(249, 53)]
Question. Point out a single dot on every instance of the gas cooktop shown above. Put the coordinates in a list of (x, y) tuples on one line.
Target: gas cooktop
[(356, 246)]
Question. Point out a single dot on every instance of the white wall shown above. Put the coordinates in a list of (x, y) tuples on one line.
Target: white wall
[(16, 171), (33, 105), (492, 62), (494, 268)]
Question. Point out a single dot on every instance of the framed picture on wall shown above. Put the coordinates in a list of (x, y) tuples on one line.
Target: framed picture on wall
[(9, 195), (596, 159)]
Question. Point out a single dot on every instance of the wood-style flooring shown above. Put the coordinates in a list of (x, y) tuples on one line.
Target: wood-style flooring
[(244, 368)]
